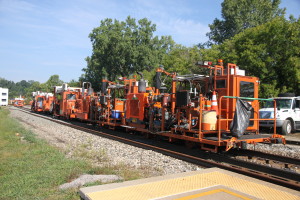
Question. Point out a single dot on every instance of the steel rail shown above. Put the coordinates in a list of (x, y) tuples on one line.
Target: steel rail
[(283, 159), (293, 142)]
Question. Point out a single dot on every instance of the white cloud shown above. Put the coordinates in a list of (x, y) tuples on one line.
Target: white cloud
[(16, 6)]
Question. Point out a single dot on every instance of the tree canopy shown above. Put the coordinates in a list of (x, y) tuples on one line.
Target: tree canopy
[(240, 15), (15, 89), (25, 88), (121, 48), (271, 52)]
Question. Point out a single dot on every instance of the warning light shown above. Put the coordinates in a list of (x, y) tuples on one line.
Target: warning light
[(220, 62)]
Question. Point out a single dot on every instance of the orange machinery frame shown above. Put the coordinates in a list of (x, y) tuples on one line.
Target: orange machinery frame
[(146, 110), (109, 104), (212, 139), (82, 109), (18, 103), (209, 139), (42, 102), (124, 111), (64, 101)]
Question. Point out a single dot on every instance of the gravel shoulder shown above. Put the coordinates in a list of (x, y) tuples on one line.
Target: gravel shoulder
[(292, 151), (101, 151)]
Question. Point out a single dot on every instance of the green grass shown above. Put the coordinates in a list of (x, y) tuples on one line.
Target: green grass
[(32, 169)]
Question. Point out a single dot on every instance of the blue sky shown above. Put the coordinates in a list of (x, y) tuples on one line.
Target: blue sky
[(40, 38)]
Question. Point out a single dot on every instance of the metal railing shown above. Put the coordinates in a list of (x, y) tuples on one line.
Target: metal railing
[(243, 98)]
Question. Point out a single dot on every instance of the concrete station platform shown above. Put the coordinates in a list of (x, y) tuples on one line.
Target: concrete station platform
[(206, 184)]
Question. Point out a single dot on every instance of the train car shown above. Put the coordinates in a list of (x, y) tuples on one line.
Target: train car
[(200, 110), (83, 108), (64, 100), (43, 102), (75, 103), (111, 104), (18, 102), (117, 102), (218, 111)]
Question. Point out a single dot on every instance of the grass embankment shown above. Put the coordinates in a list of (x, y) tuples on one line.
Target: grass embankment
[(32, 169)]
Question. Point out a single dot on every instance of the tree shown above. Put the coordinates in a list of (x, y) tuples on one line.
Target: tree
[(240, 15), (182, 60), (25, 88), (10, 85), (74, 83), (270, 52), (52, 81), (121, 48), (35, 86)]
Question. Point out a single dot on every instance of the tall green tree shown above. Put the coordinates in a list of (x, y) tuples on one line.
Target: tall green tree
[(240, 15), (52, 81), (121, 48), (35, 86), (74, 83), (270, 52), (182, 60)]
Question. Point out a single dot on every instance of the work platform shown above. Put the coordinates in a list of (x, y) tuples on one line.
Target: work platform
[(206, 184)]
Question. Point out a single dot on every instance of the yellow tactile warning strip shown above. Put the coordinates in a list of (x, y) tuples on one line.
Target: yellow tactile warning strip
[(202, 194), (171, 185), (212, 193)]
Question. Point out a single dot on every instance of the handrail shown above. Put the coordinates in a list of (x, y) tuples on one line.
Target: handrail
[(246, 98)]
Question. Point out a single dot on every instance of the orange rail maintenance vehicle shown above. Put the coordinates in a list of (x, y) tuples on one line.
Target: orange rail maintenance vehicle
[(83, 108), (73, 102), (65, 100), (18, 102), (218, 111), (43, 102)]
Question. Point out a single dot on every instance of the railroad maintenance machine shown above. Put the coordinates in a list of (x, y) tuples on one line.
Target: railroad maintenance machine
[(217, 112), (43, 102), (18, 102), (75, 102)]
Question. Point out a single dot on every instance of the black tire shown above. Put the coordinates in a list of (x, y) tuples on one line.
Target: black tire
[(286, 95), (286, 127)]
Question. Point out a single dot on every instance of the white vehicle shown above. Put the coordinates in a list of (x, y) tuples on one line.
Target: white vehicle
[(287, 113)]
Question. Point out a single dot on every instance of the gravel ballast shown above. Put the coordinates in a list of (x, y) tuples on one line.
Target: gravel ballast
[(100, 151)]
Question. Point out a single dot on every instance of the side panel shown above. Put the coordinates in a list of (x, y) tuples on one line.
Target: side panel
[(248, 87)]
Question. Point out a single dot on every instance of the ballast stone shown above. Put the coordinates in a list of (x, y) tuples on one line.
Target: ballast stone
[(87, 178)]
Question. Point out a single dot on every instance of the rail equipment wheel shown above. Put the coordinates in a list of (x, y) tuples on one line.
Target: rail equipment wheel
[(286, 127)]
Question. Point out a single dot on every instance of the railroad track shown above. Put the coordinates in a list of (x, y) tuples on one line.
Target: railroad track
[(293, 142), (283, 177), (268, 159), (289, 142)]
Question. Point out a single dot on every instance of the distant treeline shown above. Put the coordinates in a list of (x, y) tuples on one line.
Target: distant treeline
[(25, 88)]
